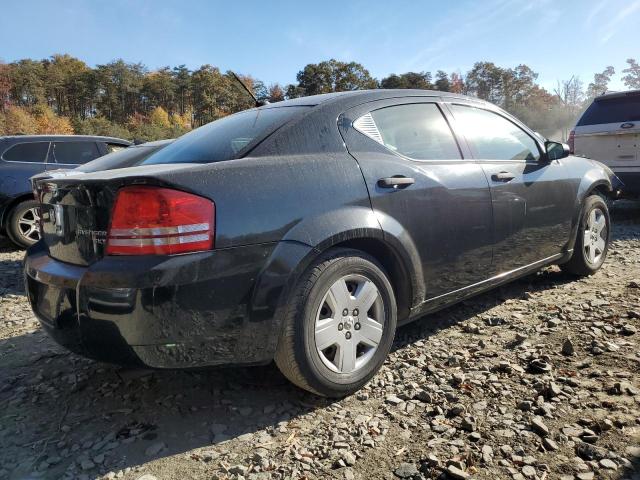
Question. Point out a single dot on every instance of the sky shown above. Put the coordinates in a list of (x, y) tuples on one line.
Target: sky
[(272, 40)]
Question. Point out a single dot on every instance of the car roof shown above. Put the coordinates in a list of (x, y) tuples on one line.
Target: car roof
[(612, 95), (357, 97), (63, 138)]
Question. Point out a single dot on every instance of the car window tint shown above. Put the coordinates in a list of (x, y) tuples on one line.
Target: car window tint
[(493, 137), (226, 138), (75, 153), (27, 152), (418, 131), (614, 110)]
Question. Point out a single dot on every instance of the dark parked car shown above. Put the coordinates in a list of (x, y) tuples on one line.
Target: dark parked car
[(23, 156), (306, 231)]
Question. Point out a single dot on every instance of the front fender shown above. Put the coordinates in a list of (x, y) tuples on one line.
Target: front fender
[(596, 177)]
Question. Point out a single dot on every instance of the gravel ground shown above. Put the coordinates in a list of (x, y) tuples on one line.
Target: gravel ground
[(538, 379)]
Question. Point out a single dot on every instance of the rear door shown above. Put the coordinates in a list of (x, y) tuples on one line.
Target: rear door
[(424, 188), (21, 161), (533, 201)]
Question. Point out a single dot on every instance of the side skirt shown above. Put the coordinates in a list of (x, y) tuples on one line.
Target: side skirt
[(442, 301)]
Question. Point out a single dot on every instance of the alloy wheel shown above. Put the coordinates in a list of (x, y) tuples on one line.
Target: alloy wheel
[(349, 324), (595, 236), (29, 225)]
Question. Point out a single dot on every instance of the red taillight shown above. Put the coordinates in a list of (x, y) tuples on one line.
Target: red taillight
[(150, 220), (571, 141)]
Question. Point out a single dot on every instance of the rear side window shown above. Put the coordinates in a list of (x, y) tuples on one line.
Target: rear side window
[(493, 137), (75, 153), (35, 152), (226, 138), (418, 131), (615, 110)]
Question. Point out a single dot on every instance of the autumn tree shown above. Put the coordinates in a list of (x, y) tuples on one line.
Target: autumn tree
[(18, 121), (332, 76), (27, 83), (5, 86), (119, 86), (276, 93), (457, 83), (600, 82), (632, 77), (68, 85), (485, 81), (159, 90), (442, 82), (182, 82), (48, 123), (419, 80)]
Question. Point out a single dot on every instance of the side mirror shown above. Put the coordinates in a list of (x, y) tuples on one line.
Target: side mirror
[(556, 150)]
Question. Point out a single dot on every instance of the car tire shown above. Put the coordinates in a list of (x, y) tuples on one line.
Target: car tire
[(592, 242), (21, 218), (325, 351)]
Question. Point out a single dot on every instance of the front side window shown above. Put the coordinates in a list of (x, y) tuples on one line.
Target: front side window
[(418, 131), (75, 153), (35, 152), (493, 137)]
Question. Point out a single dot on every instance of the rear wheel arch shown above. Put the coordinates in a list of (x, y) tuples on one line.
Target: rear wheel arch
[(299, 257), (393, 264)]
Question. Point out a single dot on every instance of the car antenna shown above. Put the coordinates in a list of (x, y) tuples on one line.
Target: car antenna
[(259, 103)]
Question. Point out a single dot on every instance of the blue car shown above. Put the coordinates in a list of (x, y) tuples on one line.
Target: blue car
[(23, 156)]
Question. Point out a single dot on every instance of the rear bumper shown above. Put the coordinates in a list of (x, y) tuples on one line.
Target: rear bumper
[(209, 308)]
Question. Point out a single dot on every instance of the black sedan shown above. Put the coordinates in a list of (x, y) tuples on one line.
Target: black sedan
[(305, 231)]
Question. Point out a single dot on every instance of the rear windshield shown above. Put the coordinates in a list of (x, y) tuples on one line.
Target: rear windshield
[(616, 110), (126, 157), (226, 138)]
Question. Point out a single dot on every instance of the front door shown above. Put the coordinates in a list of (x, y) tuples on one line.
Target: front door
[(533, 200), (423, 188)]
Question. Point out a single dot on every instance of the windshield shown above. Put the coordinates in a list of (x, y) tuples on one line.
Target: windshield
[(616, 110), (127, 157), (226, 138)]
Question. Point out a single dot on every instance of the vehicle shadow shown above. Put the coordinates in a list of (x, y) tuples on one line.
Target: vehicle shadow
[(66, 406), (476, 307), (61, 411)]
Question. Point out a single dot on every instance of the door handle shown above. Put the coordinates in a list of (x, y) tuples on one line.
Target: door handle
[(503, 176), (396, 182)]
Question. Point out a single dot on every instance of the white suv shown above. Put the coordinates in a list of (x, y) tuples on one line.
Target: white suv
[(609, 131)]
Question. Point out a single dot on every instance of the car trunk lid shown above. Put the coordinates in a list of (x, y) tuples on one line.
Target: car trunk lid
[(76, 208)]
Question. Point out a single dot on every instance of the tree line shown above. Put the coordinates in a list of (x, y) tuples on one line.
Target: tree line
[(62, 94)]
